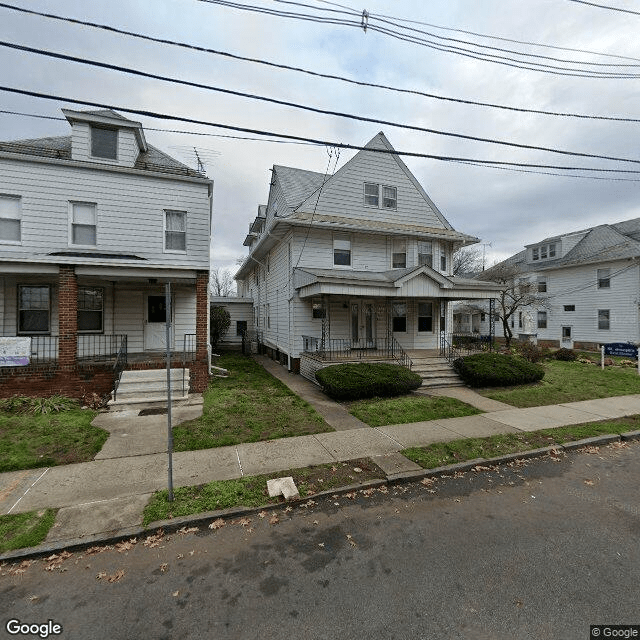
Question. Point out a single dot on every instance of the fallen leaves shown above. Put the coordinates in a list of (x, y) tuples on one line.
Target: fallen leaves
[(164, 567), (274, 519), (18, 570), (185, 530), (115, 577), (126, 545), (217, 524), (154, 539)]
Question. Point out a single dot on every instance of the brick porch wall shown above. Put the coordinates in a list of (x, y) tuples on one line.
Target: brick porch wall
[(67, 317), (200, 368)]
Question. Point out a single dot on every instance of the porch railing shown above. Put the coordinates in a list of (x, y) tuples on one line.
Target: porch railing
[(341, 349), (188, 355), (457, 345), (120, 364), (99, 346), (44, 349)]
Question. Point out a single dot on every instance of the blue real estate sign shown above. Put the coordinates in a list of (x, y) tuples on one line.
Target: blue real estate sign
[(623, 349)]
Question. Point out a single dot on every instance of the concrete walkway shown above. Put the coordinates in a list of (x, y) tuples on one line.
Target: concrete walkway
[(109, 493)]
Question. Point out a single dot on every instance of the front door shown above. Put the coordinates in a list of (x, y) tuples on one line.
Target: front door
[(155, 328), (363, 325), (567, 338)]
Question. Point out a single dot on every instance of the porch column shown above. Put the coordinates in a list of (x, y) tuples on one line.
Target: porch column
[(200, 372), (67, 316)]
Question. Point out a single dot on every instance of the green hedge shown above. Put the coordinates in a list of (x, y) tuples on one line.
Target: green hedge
[(497, 370), (366, 380)]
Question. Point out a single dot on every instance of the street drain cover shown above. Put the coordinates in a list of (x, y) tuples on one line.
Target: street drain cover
[(153, 412)]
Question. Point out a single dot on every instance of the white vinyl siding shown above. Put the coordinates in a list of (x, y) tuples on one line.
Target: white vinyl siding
[(83, 224), (10, 219)]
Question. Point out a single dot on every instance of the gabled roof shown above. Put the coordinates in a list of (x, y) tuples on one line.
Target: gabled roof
[(298, 184)]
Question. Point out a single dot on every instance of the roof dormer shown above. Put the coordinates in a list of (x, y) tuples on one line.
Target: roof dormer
[(105, 137)]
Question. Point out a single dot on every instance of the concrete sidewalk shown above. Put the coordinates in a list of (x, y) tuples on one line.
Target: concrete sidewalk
[(108, 494)]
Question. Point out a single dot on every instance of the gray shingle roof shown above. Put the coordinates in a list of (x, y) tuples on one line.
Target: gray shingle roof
[(60, 147), (298, 184)]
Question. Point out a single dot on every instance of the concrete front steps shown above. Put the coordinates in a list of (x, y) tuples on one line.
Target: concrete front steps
[(436, 372), (147, 389)]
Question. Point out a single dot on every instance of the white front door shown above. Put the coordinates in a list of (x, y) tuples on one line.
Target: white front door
[(362, 321), (566, 338), (155, 328)]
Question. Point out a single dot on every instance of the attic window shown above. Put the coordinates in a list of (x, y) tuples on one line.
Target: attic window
[(104, 143), (380, 196), (544, 251)]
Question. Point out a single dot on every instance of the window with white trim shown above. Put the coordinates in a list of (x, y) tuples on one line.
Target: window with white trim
[(569, 307), (425, 317), (34, 309), (175, 231), (399, 254), (104, 143), (389, 197), (317, 308), (10, 219), (90, 309), (241, 327), (380, 196), (83, 227), (399, 317), (425, 254), (443, 263), (371, 194), (542, 319), (604, 319), (542, 284), (342, 250), (604, 278)]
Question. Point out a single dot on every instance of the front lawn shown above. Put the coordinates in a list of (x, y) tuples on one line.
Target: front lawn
[(379, 412), (442, 454), (569, 382), (248, 406), (251, 491), (28, 440), (19, 530)]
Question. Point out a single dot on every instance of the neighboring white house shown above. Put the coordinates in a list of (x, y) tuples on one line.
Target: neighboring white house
[(590, 280), (92, 226), (353, 263)]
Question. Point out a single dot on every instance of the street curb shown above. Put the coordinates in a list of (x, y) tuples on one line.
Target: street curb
[(173, 525)]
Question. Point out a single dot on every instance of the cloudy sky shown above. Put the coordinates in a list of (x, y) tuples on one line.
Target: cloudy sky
[(503, 207)]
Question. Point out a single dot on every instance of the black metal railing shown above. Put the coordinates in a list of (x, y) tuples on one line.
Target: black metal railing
[(43, 349), (120, 364), (99, 346), (342, 349), (188, 355), (457, 345)]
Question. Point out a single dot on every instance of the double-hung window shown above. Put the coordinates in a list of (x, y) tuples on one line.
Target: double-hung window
[(342, 250), (371, 194), (104, 143), (34, 309), (443, 263), (425, 254), (10, 219), (83, 224), (604, 278), (542, 284), (175, 231), (604, 319), (542, 319), (90, 309), (389, 197), (380, 196), (399, 317), (425, 316), (399, 256)]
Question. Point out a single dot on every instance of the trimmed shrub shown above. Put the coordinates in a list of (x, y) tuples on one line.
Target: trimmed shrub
[(531, 352), (497, 370), (567, 355), (355, 381)]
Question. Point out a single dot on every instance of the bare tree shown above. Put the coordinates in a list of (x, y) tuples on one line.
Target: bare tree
[(222, 282), (516, 293), (467, 261)]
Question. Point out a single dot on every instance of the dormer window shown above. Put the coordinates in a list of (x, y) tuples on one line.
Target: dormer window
[(380, 196), (544, 251), (104, 143)]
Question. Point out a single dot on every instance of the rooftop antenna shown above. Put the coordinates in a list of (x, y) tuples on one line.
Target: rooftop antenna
[(200, 163), (484, 246)]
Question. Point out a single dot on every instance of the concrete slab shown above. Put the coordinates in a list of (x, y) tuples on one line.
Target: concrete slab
[(281, 455), (285, 487), (141, 440), (392, 463), (478, 426), (629, 404), (205, 465), (14, 484), (417, 434), (356, 443), (601, 407), (93, 518), (562, 415), (520, 419)]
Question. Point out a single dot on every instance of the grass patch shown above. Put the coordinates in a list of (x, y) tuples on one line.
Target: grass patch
[(445, 453), (19, 530), (248, 406), (28, 441), (251, 491), (569, 382), (378, 412)]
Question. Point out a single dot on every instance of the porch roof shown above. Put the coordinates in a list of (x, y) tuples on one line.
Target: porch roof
[(415, 282)]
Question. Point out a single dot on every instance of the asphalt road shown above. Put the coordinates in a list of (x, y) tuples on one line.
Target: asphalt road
[(535, 550)]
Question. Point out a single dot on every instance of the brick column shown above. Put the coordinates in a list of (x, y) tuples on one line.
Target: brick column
[(67, 316), (201, 366)]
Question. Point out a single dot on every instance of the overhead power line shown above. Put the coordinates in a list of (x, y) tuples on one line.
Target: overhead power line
[(606, 6), (442, 46), (320, 74), (485, 35), (286, 136), (302, 107)]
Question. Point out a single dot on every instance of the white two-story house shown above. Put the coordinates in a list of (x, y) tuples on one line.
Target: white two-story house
[(92, 226), (353, 264), (589, 282)]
